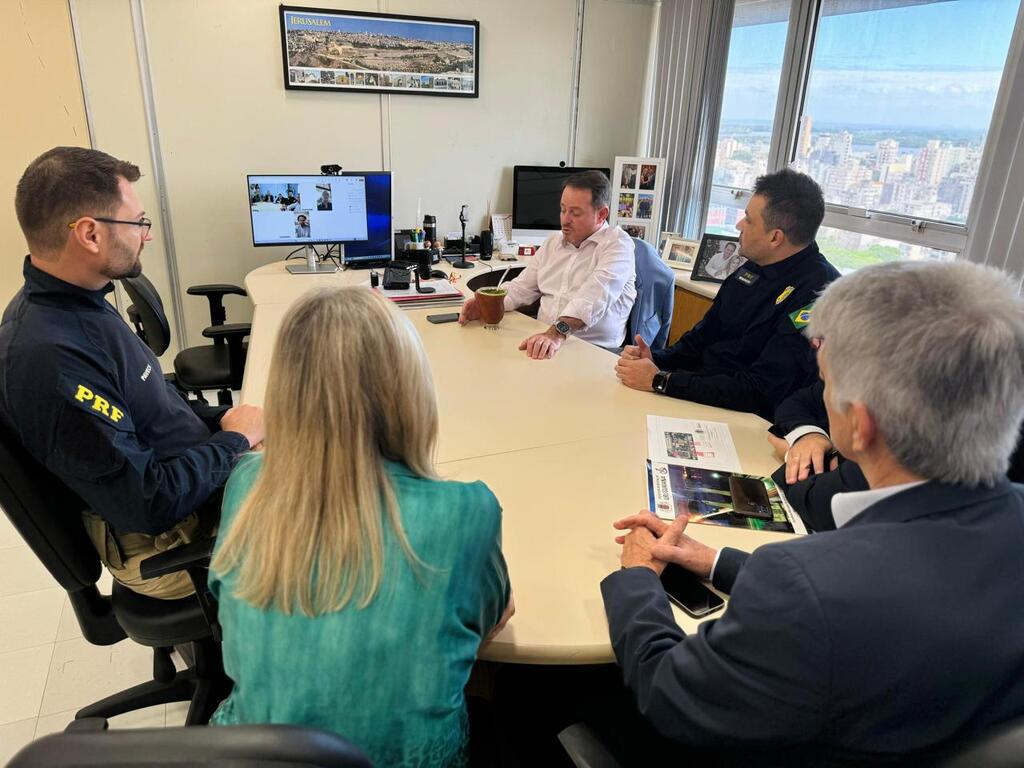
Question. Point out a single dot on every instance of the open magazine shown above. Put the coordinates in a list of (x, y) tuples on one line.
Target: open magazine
[(693, 469), (713, 497)]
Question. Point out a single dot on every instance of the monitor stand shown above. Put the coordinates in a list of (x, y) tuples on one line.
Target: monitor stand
[(313, 265)]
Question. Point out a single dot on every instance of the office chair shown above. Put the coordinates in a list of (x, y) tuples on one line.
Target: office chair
[(87, 744), (214, 366), (585, 748), (47, 514), (1003, 747), (651, 316)]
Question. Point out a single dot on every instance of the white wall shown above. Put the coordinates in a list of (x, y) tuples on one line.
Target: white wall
[(222, 111), (616, 38), (117, 110)]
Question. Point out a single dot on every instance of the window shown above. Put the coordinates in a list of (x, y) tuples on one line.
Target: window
[(899, 102), (892, 105), (848, 251), (757, 45)]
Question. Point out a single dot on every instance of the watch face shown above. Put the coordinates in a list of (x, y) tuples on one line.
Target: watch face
[(563, 327)]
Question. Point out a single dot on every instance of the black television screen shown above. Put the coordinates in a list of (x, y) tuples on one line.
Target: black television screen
[(537, 193)]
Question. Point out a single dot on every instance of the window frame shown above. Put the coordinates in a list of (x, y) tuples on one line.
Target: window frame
[(804, 16)]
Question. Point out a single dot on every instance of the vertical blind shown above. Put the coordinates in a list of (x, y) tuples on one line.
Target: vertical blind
[(692, 49)]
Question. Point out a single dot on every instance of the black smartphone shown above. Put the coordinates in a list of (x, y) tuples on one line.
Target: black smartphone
[(447, 317), (750, 497), (685, 590)]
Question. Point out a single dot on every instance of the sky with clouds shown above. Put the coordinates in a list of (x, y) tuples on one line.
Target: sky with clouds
[(928, 66)]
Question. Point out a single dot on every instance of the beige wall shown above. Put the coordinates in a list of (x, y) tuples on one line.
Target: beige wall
[(222, 111), (42, 95)]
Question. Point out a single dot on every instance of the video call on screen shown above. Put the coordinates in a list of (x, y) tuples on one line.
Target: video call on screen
[(312, 209)]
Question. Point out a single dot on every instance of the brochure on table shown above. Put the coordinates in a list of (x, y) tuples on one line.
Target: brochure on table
[(638, 185), (689, 469)]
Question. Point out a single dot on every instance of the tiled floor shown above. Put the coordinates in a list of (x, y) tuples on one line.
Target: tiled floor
[(47, 671)]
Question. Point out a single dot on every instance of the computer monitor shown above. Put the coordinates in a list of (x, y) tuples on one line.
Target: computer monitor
[(352, 210), (536, 197)]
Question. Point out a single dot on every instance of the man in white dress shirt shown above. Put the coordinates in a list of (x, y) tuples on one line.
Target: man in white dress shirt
[(584, 275)]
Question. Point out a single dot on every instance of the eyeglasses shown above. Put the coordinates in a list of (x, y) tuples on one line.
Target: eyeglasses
[(145, 223)]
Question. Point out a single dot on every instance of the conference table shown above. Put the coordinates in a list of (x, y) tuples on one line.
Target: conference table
[(560, 442)]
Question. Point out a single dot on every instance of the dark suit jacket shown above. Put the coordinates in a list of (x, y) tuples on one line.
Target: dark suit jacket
[(812, 498), (894, 633)]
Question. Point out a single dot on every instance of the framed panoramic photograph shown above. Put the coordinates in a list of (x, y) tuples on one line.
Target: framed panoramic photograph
[(718, 257), (325, 49), (678, 252)]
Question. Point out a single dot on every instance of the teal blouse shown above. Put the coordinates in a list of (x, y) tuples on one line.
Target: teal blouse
[(387, 677)]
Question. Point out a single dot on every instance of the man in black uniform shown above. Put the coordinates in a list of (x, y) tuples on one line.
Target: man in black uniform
[(82, 392), (749, 352), (813, 471)]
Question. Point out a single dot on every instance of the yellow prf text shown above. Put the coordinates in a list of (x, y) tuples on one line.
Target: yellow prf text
[(99, 404)]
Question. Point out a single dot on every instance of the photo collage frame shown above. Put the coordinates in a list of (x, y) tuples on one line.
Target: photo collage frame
[(637, 184)]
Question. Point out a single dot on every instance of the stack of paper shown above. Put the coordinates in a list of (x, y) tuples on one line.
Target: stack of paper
[(445, 294)]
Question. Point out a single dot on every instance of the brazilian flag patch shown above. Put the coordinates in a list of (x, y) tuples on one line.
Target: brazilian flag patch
[(802, 316)]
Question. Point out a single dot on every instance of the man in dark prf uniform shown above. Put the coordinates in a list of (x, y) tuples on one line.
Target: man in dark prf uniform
[(749, 352), (85, 396)]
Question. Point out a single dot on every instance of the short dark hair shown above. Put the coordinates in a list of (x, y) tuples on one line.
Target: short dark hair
[(598, 184), (63, 184), (794, 204)]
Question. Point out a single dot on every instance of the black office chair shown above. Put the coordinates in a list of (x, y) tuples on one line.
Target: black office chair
[(214, 366), (47, 514), (651, 316), (87, 744), (1002, 748)]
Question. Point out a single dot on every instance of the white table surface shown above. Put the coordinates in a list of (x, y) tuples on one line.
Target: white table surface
[(560, 442)]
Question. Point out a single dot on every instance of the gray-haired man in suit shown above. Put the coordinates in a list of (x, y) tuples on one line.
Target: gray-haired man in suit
[(900, 631)]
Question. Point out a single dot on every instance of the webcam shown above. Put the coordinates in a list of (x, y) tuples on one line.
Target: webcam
[(330, 170)]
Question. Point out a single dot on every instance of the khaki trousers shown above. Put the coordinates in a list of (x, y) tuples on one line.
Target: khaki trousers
[(122, 554)]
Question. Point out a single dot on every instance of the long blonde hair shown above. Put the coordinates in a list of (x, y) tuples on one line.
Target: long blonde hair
[(349, 386)]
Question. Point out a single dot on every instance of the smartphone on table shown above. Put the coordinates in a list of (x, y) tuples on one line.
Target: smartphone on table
[(447, 317), (686, 590)]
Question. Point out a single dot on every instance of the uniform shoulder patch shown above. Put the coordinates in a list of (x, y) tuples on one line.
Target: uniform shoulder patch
[(785, 294), (94, 401), (802, 316)]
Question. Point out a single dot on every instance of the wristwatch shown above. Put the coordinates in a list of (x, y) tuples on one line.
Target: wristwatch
[(660, 383), (563, 328)]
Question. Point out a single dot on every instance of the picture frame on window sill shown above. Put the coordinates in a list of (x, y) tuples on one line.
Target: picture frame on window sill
[(679, 253), (718, 257)]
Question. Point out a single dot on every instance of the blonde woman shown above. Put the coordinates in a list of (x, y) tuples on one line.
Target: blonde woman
[(355, 587)]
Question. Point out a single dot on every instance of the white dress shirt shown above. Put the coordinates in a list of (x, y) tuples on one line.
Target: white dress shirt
[(595, 283), (846, 506)]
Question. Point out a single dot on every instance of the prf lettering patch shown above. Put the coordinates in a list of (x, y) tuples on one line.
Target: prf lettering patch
[(801, 317), (98, 403), (784, 295)]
